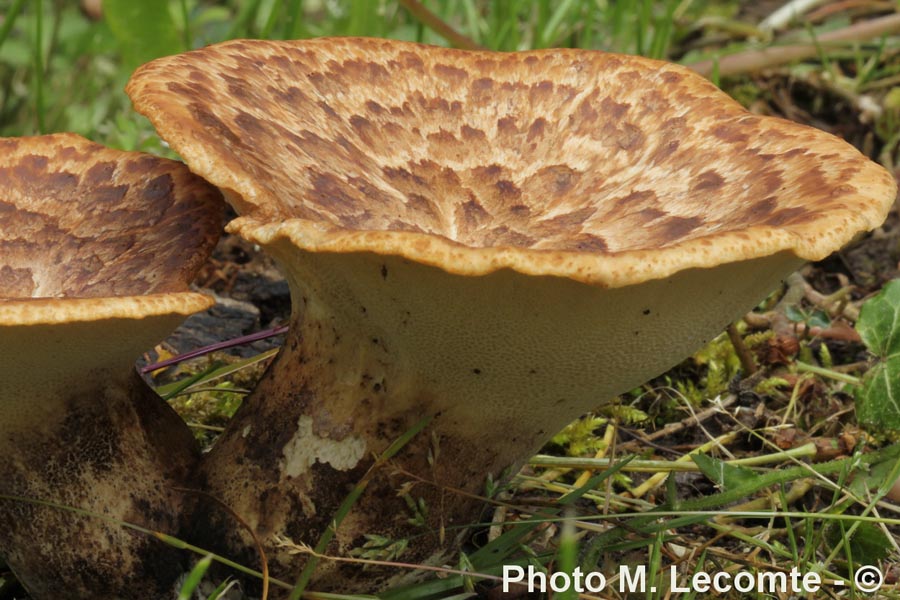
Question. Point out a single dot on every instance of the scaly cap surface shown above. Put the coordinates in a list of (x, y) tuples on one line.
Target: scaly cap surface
[(607, 169), (91, 233)]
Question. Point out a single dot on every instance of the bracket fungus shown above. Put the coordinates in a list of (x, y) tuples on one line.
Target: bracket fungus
[(497, 242), (97, 248)]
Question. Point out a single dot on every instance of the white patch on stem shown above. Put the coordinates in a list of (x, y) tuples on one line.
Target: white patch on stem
[(305, 448)]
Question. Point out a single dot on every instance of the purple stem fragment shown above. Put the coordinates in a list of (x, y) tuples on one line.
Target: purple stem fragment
[(238, 341)]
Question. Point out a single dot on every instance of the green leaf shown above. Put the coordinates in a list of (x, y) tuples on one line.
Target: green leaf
[(794, 314), (873, 478), (815, 318), (868, 546), (819, 318), (144, 28), (878, 399), (727, 477), (879, 321)]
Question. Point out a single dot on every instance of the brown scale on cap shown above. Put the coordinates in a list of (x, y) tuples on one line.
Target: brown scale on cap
[(564, 151), (81, 220)]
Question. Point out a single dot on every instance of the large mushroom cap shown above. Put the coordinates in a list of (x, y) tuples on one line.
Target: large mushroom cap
[(382, 175), (606, 169), (90, 233)]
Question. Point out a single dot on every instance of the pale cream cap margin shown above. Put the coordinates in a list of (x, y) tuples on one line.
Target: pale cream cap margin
[(53, 311)]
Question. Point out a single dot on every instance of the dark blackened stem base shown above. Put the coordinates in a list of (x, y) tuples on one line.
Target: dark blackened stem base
[(118, 452)]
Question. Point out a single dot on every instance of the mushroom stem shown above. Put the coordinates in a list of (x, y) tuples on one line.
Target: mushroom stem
[(81, 429), (378, 343), (97, 248)]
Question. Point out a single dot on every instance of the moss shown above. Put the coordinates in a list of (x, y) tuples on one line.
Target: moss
[(216, 398), (581, 437)]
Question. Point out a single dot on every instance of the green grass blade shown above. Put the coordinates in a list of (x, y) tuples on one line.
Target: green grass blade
[(567, 554), (272, 19), (38, 77), (592, 483), (182, 385), (194, 578), (187, 37), (293, 25), (210, 374), (242, 25), (9, 20)]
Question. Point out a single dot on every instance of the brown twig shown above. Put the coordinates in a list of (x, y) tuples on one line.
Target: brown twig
[(853, 367), (755, 60), (671, 428), (744, 354), (793, 295), (841, 6), (834, 304), (439, 26), (838, 331), (643, 440)]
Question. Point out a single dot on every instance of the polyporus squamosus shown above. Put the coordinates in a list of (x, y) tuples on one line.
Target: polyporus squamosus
[(97, 247), (498, 242)]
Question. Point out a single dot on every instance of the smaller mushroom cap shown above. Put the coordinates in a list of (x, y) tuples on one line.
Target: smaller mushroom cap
[(91, 233), (97, 249)]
